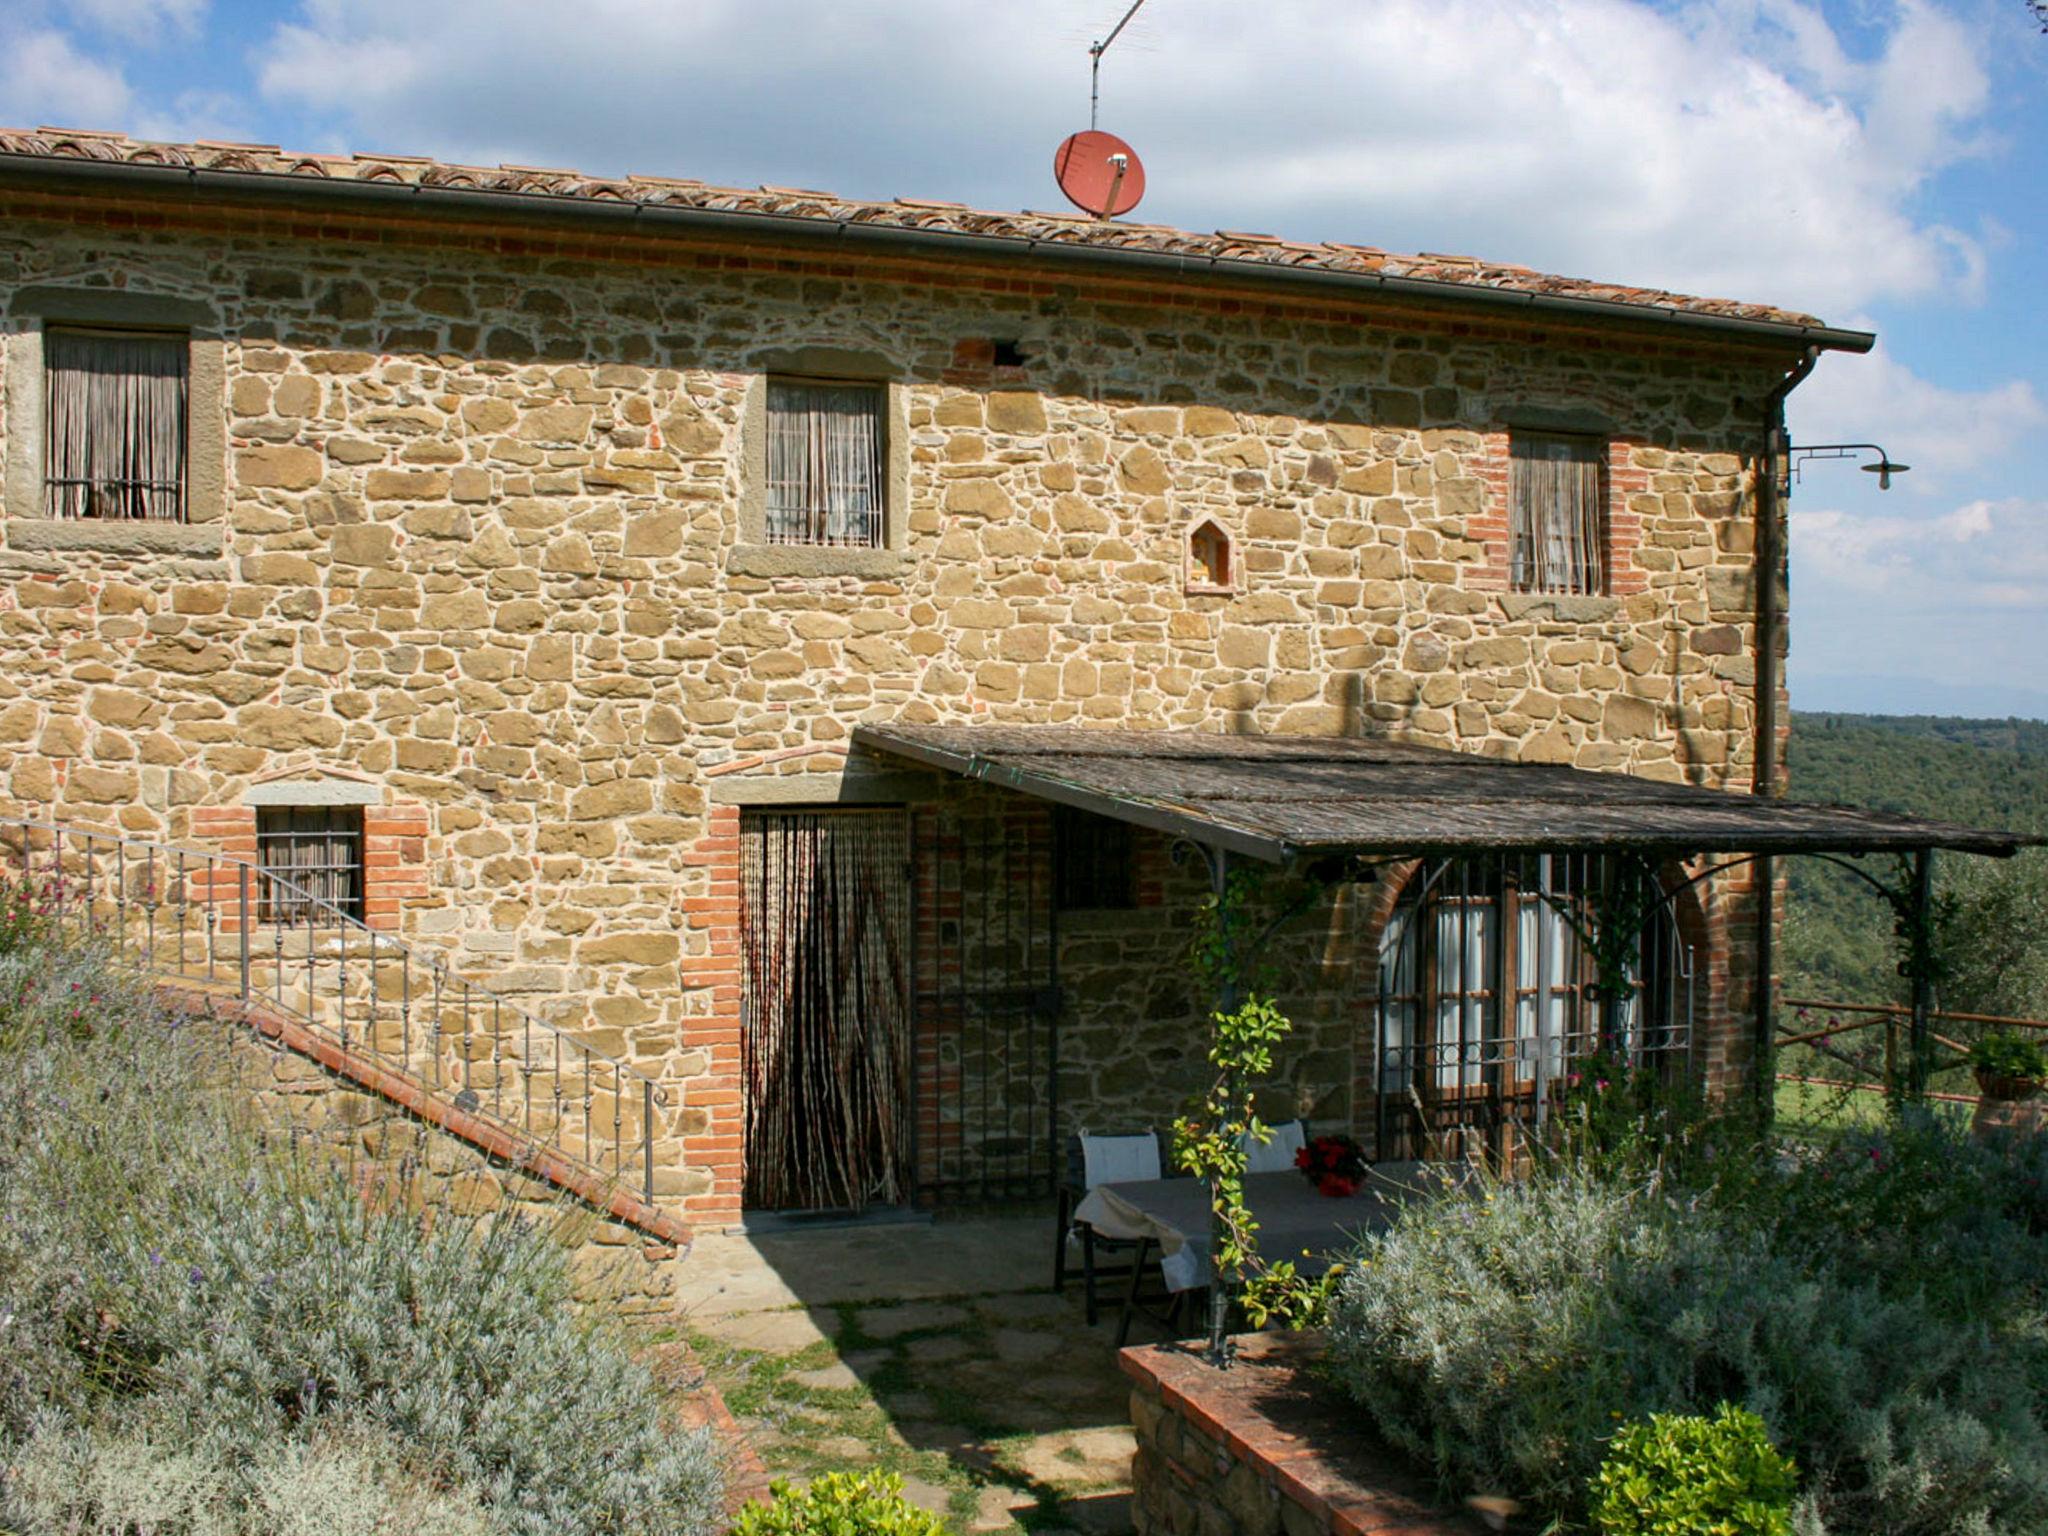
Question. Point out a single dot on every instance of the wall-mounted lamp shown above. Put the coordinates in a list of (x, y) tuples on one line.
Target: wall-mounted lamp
[(1798, 454)]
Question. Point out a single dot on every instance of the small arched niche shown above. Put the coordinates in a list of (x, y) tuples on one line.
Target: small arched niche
[(1211, 558)]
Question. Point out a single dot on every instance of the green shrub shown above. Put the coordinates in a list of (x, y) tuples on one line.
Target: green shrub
[(839, 1504), (164, 1265), (2008, 1055), (1683, 1475), (1878, 1306)]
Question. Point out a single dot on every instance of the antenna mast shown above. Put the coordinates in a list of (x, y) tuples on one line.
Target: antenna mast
[(1095, 53)]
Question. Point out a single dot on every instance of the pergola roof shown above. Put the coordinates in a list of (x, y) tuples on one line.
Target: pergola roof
[(1279, 797)]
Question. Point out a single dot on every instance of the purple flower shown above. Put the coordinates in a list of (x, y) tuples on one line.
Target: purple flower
[(156, 1259)]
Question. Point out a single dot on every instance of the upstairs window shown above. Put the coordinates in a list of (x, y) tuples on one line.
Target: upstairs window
[(1093, 865), (115, 408), (825, 464), (1556, 522), (312, 859)]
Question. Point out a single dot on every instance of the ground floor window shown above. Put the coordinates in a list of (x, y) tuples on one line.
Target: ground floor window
[(312, 860), (1490, 990)]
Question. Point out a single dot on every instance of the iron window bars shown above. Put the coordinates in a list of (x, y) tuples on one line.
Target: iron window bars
[(316, 853), (115, 424)]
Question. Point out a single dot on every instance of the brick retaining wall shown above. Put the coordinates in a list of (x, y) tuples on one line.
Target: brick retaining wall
[(1262, 1449)]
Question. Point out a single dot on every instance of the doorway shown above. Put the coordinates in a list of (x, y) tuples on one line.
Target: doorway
[(825, 1036)]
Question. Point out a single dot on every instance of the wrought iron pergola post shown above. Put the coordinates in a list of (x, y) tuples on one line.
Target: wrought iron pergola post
[(1230, 994), (1920, 962)]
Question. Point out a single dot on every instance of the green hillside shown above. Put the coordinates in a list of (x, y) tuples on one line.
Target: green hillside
[(1985, 772)]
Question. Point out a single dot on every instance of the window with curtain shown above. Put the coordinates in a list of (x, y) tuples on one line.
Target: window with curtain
[(312, 859), (1557, 527), (115, 416), (825, 464)]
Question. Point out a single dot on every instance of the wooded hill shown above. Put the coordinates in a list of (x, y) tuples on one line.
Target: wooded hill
[(1994, 773)]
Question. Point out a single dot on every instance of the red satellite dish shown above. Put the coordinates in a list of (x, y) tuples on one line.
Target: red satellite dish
[(1100, 173)]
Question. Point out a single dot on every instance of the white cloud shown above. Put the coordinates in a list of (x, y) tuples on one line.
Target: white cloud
[(44, 79), (1976, 556), (1949, 436), (138, 21), (1736, 147)]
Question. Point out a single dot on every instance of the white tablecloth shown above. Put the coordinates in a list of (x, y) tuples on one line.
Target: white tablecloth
[(1296, 1220)]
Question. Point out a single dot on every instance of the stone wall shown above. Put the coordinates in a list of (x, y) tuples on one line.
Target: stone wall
[(482, 546)]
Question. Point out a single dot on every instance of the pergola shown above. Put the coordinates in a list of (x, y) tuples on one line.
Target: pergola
[(1282, 800)]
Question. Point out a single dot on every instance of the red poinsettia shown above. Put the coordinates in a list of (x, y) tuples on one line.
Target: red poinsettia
[(1334, 1164)]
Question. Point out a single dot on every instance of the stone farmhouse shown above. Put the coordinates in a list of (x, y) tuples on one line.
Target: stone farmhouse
[(821, 653)]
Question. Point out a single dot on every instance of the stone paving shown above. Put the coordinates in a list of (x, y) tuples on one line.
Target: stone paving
[(937, 1352)]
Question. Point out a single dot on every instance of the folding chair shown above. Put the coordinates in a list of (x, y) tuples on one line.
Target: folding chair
[(1276, 1155), (1093, 1160)]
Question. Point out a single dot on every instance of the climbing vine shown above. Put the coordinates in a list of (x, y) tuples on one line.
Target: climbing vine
[(1228, 957)]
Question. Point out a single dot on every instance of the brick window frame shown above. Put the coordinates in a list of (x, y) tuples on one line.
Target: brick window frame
[(1622, 480)]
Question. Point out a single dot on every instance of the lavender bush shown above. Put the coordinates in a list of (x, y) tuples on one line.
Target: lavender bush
[(177, 1291), (1878, 1304)]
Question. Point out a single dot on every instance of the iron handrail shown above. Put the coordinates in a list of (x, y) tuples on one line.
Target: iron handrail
[(223, 886)]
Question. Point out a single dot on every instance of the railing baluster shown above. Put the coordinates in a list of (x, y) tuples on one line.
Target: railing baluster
[(497, 1058), (341, 980), (242, 877), (212, 915), (647, 1136), (149, 891), (370, 1030), (120, 900)]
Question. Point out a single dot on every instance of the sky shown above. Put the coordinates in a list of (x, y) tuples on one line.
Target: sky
[(1879, 164)]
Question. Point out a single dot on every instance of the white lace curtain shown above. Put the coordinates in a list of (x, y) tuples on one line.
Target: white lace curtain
[(1555, 531), (115, 444), (825, 464)]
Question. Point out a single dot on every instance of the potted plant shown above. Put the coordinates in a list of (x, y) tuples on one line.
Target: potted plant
[(2009, 1067)]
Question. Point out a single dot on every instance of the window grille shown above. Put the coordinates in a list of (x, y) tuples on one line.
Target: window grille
[(315, 854), (825, 482), (1556, 531), (1486, 973), (1094, 868), (114, 436)]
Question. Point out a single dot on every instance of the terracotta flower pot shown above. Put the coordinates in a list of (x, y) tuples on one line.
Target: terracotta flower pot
[(2007, 1090)]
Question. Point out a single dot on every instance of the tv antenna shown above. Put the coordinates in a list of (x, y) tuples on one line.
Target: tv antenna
[(1095, 53), (1099, 173)]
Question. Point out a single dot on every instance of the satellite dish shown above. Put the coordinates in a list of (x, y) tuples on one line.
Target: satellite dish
[(1100, 173)]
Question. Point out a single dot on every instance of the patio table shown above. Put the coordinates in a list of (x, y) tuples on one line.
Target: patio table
[(1295, 1218)]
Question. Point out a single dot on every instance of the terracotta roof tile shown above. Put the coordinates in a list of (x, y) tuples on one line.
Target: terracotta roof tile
[(910, 213)]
